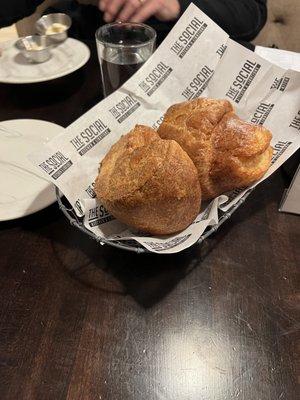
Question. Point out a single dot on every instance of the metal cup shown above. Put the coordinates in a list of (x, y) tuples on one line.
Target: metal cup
[(47, 25), (35, 48)]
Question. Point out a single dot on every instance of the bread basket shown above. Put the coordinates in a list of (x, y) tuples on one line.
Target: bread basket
[(132, 245)]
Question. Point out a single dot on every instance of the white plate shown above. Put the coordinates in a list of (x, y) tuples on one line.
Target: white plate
[(23, 189), (66, 57)]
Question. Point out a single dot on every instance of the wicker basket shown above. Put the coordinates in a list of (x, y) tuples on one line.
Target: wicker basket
[(132, 245)]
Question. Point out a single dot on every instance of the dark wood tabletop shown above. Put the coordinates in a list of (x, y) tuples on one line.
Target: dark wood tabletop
[(80, 321)]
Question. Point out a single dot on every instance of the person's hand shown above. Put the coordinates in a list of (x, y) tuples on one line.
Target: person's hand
[(139, 10)]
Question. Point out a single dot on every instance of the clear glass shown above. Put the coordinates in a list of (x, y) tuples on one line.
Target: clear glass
[(122, 47)]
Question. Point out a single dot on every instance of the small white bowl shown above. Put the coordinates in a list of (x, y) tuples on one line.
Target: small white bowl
[(55, 26)]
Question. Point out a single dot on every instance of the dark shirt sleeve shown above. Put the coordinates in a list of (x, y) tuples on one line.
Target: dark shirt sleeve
[(12, 11), (241, 19)]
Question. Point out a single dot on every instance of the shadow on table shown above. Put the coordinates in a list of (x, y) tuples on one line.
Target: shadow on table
[(150, 277), (147, 278)]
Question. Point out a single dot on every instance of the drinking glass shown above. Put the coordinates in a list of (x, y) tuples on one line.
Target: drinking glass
[(122, 47)]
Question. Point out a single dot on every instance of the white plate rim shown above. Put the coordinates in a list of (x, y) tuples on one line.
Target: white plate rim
[(19, 213), (54, 76)]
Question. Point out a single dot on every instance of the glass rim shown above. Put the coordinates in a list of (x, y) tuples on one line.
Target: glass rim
[(137, 24)]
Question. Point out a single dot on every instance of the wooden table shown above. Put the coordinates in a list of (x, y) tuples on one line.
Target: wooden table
[(81, 321)]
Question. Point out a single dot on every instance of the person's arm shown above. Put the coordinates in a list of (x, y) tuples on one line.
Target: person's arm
[(12, 11), (241, 19)]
